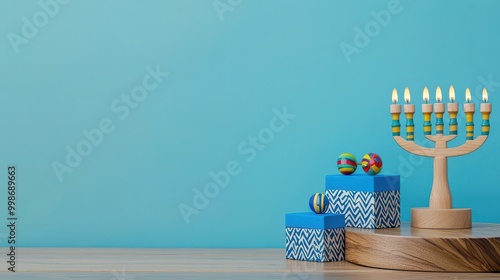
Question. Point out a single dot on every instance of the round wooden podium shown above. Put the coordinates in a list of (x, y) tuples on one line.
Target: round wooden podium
[(476, 249)]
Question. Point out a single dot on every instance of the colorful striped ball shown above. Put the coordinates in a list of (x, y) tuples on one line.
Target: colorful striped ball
[(319, 203), (371, 163), (347, 164)]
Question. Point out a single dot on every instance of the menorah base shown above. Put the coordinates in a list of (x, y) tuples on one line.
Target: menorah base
[(456, 218)]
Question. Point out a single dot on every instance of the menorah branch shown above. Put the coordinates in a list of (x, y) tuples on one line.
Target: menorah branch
[(413, 148), (469, 147), (441, 149)]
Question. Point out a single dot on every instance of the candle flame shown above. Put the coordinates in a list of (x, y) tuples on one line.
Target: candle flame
[(394, 96), (425, 95), (452, 94), (407, 95), (439, 94), (467, 95), (485, 95)]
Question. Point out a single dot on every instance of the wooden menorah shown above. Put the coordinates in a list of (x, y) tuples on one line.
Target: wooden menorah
[(440, 213)]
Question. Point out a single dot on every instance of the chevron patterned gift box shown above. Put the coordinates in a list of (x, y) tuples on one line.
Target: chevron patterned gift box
[(366, 201), (315, 237)]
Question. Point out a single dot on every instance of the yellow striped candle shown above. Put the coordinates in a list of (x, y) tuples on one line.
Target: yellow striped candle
[(485, 111), (395, 111), (427, 111), (453, 110), (439, 109), (469, 116), (409, 110)]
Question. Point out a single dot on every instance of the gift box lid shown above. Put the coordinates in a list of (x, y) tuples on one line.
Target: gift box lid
[(363, 182), (313, 220)]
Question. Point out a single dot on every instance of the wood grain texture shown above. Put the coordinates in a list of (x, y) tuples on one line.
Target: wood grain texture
[(134, 264), (457, 218), (406, 248)]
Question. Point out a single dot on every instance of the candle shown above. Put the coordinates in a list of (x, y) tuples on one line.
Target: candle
[(409, 111), (453, 110), (485, 111), (469, 116), (395, 111), (439, 109), (427, 110)]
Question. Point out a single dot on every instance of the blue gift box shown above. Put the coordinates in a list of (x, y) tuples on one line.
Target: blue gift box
[(315, 237), (366, 201)]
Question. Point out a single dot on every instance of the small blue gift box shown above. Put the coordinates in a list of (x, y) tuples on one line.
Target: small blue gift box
[(315, 237), (366, 201)]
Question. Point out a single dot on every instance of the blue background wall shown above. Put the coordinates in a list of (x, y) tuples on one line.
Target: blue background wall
[(232, 65)]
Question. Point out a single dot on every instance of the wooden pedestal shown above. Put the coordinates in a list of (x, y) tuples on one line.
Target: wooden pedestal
[(476, 249), (456, 218)]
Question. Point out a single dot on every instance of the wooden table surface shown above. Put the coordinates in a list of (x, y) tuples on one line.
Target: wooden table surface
[(128, 264)]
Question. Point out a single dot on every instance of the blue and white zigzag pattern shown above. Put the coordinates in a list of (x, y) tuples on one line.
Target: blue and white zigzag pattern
[(387, 209), (366, 209), (315, 244)]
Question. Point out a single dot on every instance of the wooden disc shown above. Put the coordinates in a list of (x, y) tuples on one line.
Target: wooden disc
[(476, 249)]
